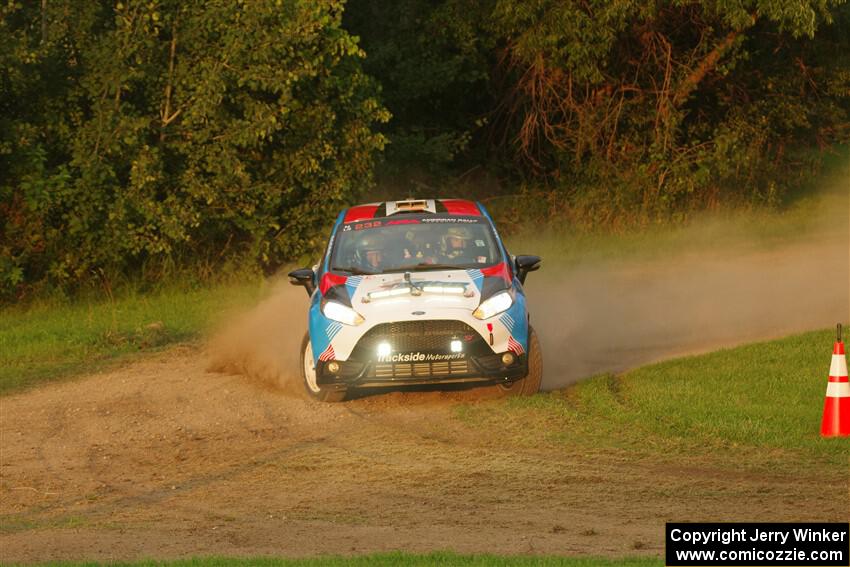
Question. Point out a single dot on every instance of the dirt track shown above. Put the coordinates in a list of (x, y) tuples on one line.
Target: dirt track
[(164, 459)]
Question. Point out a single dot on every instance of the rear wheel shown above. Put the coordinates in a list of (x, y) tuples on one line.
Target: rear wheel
[(309, 376), (529, 385)]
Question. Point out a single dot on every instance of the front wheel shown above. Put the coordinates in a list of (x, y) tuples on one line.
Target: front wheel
[(529, 385), (309, 376)]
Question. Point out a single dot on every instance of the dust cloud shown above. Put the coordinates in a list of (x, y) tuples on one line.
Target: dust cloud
[(264, 344), (610, 316), (619, 315)]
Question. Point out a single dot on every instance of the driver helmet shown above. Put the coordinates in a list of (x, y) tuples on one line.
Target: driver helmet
[(455, 240), (370, 250)]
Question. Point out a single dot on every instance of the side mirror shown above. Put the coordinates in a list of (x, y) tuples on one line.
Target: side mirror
[(303, 276), (525, 264)]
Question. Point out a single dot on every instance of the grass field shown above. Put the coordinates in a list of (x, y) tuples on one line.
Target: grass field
[(725, 403), (51, 340), (393, 559)]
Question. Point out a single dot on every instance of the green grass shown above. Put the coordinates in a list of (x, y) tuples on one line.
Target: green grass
[(395, 558), (56, 339), (766, 395)]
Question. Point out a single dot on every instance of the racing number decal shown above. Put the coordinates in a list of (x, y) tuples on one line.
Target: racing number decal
[(362, 225)]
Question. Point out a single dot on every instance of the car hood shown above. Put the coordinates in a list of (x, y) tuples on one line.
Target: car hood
[(443, 294)]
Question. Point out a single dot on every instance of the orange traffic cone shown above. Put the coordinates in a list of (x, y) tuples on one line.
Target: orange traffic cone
[(836, 409)]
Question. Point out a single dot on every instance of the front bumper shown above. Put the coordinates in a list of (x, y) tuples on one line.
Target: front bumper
[(420, 353)]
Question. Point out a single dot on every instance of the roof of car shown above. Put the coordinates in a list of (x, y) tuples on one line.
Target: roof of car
[(460, 207)]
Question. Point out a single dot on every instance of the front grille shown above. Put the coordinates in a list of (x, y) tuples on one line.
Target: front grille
[(410, 336), (420, 369)]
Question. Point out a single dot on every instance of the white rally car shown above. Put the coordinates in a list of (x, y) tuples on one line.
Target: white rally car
[(417, 292)]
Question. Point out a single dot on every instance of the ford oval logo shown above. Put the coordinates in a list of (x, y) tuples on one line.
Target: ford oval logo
[(418, 313)]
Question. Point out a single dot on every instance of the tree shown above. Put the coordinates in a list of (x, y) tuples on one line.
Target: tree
[(432, 61), (638, 108), (167, 131), (658, 99)]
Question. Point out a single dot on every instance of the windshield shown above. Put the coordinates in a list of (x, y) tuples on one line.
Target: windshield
[(414, 243)]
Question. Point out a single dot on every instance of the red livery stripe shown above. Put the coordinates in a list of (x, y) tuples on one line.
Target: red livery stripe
[(328, 354), (329, 280), (360, 212), (515, 346), (498, 271), (461, 207)]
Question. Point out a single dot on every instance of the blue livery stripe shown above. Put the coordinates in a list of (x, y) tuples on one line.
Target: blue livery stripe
[(333, 329), (508, 322), (518, 317), (351, 284), (477, 278), (338, 222)]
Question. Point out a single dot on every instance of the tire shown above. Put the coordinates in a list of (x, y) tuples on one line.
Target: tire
[(529, 385), (308, 376)]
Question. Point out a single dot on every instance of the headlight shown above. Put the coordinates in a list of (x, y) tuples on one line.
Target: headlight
[(502, 301), (339, 312)]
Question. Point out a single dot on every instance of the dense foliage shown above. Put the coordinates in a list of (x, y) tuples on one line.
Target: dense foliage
[(135, 134), (141, 136), (633, 109)]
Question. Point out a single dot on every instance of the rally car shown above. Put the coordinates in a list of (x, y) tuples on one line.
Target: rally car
[(417, 292)]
